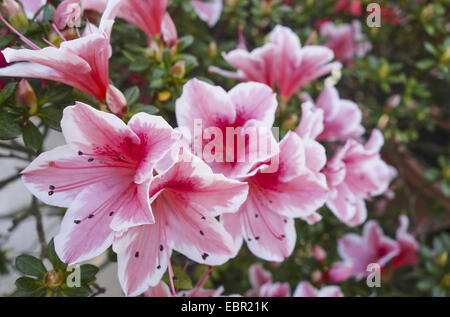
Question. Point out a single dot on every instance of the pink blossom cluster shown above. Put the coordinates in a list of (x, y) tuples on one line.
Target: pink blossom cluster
[(142, 188)]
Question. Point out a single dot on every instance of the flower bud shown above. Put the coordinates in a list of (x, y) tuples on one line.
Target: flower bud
[(15, 14), (26, 96), (54, 278), (11, 7), (316, 277), (164, 96), (393, 101), (319, 253), (446, 280), (442, 259), (212, 50), (179, 69), (169, 31), (116, 100), (68, 14)]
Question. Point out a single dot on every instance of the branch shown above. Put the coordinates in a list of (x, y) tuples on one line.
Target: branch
[(34, 210)]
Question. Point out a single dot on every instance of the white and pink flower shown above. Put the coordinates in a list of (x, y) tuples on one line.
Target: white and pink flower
[(282, 62)]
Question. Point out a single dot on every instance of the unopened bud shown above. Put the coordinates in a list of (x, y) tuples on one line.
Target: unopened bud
[(15, 14), (445, 58), (11, 7), (179, 69), (164, 96), (54, 278), (442, 259), (116, 100), (26, 96), (212, 50), (393, 101), (446, 280), (169, 31), (319, 253), (316, 277)]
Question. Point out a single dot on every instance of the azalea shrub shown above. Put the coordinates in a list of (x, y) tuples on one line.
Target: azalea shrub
[(260, 148)]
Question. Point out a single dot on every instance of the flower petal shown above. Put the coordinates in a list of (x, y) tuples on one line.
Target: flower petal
[(56, 177), (254, 101), (208, 11), (141, 260), (97, 133), (202, 101), (85, 230)]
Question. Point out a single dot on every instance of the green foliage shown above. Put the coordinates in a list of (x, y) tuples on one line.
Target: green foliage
[(434, 268), (39, 281)]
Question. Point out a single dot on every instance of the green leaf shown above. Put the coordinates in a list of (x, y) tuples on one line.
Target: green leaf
[(6, 39), (49, 12), (132, 95), (32, 137), (139, 65), (425, 285), (51, 116), (181, 278), (40, 292), (88, 272), (144, 108), (53, 257), (28, 283), (425, 64), (431, 174), (445, 187), (83, 291), (30, 265), (191, 61), (9, 129), (185, 42), (167, 57), (7, 92)]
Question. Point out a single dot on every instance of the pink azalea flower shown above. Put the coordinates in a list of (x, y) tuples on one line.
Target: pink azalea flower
[(409, 246), (354, 174), (304, 289), (246, 106), (31, 7), (342, 118), (275, 290), (352, 7), (262, 285), (148, 15), (282, 184), (357, 252), (185, 198), (258, 276), (103, 175), (282, 62), (346, 40), (294, 190), (208, 11), (89, 55), (309, 128)]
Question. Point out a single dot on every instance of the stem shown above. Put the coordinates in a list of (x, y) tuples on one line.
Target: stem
[(39, 227), (99, 290), (8, 180), (202, 281)]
